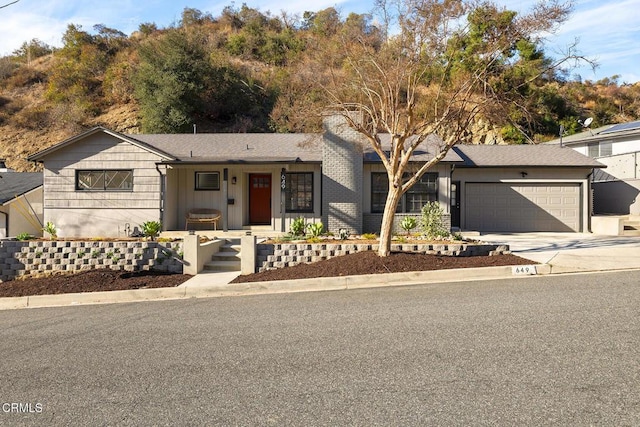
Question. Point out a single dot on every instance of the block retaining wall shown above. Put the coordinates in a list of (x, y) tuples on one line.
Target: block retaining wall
[(271, 256), (42, 257)]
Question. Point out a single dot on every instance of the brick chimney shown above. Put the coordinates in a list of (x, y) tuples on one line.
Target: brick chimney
[(342, 175)]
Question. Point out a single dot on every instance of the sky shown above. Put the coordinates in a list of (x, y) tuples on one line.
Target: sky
[(607, 31)]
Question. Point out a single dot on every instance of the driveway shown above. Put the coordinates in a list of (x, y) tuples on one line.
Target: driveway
[(572, 252)]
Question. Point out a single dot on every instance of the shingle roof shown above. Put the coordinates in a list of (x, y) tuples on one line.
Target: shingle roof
[(425, 151), (262, 147), (523, 155), (40, 155), (14, 184), (289, 148), (237, 147)]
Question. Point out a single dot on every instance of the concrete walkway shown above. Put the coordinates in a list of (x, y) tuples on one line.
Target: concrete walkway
[(553, 252), (573, 252)]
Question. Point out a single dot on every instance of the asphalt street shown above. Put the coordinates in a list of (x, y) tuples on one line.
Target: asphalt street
[(551, 350)]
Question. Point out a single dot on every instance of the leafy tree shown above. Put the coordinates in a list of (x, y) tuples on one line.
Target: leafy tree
[(434, 77), (325, 22), (32, 50), (192, 16), (77, 71), (170, 81), (147, 28), (110, 40)]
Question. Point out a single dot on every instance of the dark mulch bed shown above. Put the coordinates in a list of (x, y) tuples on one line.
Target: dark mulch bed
[(90, 281), (370, 263), (347, 265)]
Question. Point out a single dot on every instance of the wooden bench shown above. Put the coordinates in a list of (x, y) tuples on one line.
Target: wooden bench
[(203, 216)]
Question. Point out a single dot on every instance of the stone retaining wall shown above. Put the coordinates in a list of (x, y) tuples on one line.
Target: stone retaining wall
[(271, 256), (41, 257)]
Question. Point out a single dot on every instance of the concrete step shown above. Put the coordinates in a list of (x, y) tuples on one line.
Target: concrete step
[(222, 265), (227, 259), (226, 256)]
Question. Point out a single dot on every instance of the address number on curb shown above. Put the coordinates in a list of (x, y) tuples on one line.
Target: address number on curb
[(524, 270)]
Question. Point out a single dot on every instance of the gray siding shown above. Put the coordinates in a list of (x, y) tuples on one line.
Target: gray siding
[(101, 151), (100, 213)]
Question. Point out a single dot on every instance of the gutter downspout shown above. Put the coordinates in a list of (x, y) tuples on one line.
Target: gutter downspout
[(225, 199), (590, 201), (163, 178)]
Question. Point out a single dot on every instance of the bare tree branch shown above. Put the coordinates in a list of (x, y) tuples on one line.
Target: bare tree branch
[(9, 4), (450, 63)]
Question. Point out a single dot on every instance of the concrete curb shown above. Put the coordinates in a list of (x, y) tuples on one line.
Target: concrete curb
[(273, 287)]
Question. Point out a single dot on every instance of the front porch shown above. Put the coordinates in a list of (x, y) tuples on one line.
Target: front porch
[(261, 232), (260, 197)]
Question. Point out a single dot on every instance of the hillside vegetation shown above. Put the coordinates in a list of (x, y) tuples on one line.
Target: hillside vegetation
[(242, 71)]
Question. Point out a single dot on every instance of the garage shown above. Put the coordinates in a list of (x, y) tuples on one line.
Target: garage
[(509, 207)]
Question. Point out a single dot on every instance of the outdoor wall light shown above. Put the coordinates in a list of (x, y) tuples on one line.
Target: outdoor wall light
[(524, 174), (234, 180)]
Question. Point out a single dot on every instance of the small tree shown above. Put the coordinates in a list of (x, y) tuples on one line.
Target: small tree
[(432, 221)]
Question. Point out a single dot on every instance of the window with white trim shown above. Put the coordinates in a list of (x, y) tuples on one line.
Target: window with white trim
[(599, 149), (104, 180)]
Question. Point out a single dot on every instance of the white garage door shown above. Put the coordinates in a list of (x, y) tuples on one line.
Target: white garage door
[(522, 208)]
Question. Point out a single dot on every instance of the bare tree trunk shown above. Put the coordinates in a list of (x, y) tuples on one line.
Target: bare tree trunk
[(386, 228)]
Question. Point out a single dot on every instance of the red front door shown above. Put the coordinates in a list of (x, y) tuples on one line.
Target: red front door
[(260, 198)]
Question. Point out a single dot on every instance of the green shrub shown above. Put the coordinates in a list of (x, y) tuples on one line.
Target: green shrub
[(151, 229), (431, 222), (297, 227), (408, 223), (51, 230), (369, 236), (315, 229), (24, 236)]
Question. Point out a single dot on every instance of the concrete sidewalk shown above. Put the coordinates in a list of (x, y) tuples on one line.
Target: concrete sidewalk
[(552, 252)]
